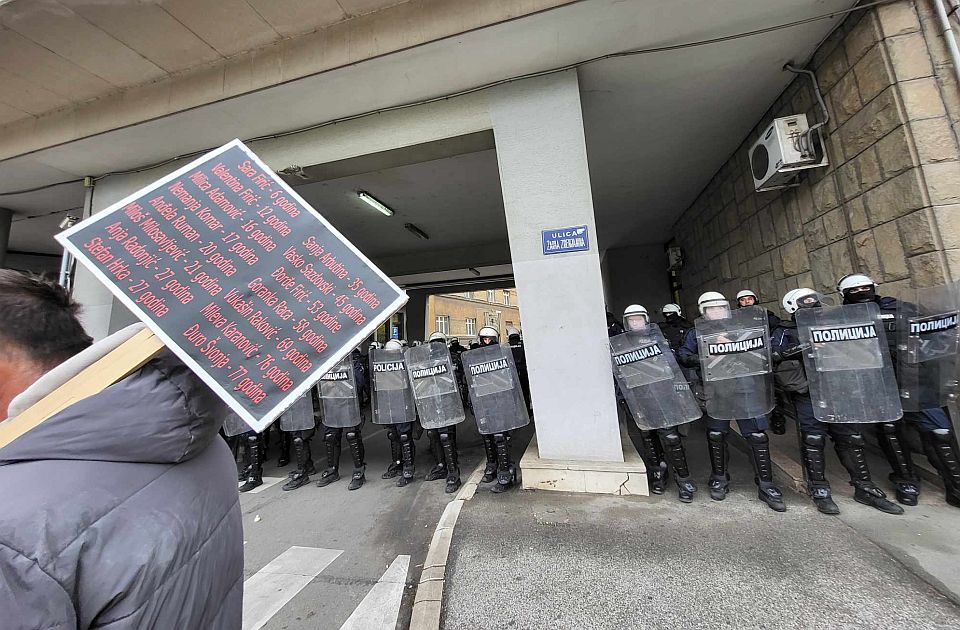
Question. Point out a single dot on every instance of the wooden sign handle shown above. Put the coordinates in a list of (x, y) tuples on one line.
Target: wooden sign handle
[(116, 365)]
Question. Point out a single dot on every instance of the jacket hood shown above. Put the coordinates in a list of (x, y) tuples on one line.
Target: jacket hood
[(161, 414)]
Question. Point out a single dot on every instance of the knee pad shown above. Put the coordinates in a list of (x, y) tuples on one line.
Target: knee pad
[(500, 438), (671, 439), (352, 435), (393, 435), (405, 437), (814, 439), (253, 439), (716, 436), (333, 437), (943, 436), (887, 428), (297, 441), (758, 438), (445, 438)]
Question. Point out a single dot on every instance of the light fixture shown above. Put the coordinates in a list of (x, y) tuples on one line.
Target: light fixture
[(374, 202), (473, 271), (69, 221), (416, 231)]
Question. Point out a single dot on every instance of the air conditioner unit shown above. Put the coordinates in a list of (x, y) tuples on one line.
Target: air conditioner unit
[(785, 148)]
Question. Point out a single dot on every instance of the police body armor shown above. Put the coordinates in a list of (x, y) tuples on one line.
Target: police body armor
[(390, 389), (299, 416), (927, 344), (735, 364), (434, 384), (654, 388), (339, 396), (495, 389), (847, 364)]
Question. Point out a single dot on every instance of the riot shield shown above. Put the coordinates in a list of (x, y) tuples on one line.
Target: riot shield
[(233, 425), (434, 383), (299, 417), (390, 388), (339, 396), (495, 389), (927, 344), (735, 364), (654, 388), (848, 364)]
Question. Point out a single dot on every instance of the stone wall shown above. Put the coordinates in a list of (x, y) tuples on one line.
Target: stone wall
[(889, 203)]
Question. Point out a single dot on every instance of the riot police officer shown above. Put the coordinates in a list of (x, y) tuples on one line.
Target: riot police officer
[(239, 435), (933, 423), (674, 326), (443, 440), (297, 423), (657, 396), (498, 405), (746, 298), (515, 341), (340, 399), (735, 369), (847, 437), (395, 408)]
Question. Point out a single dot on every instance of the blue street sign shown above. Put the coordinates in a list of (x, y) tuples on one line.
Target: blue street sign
[(563, 240), (394, 332)]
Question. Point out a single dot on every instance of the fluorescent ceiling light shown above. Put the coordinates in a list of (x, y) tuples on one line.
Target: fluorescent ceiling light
[(416, 231), (372, 201)]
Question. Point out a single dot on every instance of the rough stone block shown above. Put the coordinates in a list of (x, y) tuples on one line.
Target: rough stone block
[(877, 118), (840, 258), (805, 201), (892, 256), (779, 214), (872, 74), (835, 225), (898, 18), (766, 284), (893, 153), (857, 212), (825, 195), (804, 280), (926, 270), (922, 99), (894, 198), (777, 261), (849, 180), (865, 248), (821, 268), (935, 140), (953, 262), (761, 264), (943, 182), (767, 233), (909, 56), (791, 207), (861, 38), (795, 258), (947, 219), (845, 97), (814, 234), (832, 68), (918, 232)]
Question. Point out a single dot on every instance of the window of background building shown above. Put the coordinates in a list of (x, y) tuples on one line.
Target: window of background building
[(490, 296), (506, 298), (443, 324), (508, 324), (471, 326)]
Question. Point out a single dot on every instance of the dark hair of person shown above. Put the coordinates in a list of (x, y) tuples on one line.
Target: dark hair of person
[(39, 318)]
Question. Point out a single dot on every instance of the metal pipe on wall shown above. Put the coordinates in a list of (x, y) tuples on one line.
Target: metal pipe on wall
[(949, 37)]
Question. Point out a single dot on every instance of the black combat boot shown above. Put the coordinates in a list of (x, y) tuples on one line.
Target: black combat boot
[(448, 442), (439, 469), (652, 456), (490, 449), (408, 452), (285, 439), (850, 449), (395, 457), (816, 466), (255, 470), (331, 443), (719, 478), (778, 422), (904, 477), (760, 454), (506, 472), (355, 440), (300, 476), (677, 456), (943, 445)]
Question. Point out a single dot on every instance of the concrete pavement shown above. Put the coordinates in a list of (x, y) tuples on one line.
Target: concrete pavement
[(551, 560)]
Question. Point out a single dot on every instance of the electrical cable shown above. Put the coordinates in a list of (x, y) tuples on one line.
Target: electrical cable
[(479, 88)]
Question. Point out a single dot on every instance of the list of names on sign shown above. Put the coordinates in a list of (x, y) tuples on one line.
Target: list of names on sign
[(239, 276)]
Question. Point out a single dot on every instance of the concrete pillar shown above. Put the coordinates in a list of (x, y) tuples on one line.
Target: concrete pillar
[(542, 156), (6, 217), (416, 313)]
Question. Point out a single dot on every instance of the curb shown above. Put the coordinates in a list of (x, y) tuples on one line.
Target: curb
[(429, 599)]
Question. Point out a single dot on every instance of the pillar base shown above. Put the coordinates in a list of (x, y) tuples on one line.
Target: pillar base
[(628, 477)]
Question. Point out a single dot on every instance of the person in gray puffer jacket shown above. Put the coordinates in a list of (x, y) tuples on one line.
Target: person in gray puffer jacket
[(121, 511)]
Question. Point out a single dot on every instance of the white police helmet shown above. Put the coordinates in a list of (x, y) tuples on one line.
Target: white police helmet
[(671, 308), (438, 336), (711, 298), (488, 331), (747, 293), (792, 301), (393, 344), (635, 317), (852, 280)]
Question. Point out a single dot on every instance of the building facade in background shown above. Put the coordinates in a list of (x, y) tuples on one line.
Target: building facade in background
[(463, 314)]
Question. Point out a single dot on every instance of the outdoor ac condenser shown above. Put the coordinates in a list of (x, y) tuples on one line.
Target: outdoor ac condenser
[(785, 149)]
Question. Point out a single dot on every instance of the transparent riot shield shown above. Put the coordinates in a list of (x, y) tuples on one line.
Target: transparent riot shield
[(848, 364), (434, 383), (654, 388), (495, 389), (927, 347), (299, 417), (735, 364), (233, 425), (390, 388), (339, 396)]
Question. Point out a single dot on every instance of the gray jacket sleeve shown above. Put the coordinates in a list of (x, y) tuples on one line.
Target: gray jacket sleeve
[(29, 597)]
